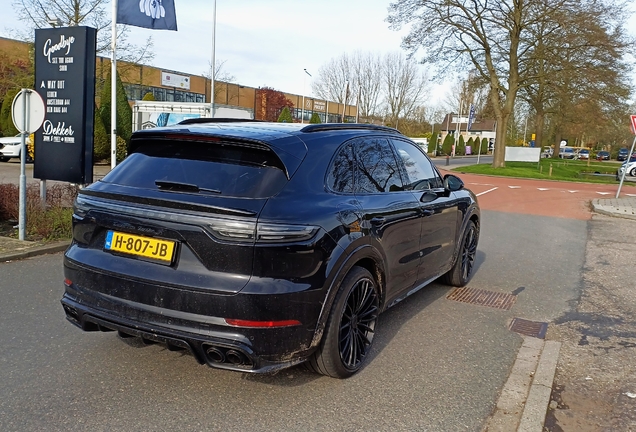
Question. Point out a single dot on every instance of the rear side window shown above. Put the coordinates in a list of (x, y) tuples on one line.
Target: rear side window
[(376, 167), (340, 178), (232, 170)]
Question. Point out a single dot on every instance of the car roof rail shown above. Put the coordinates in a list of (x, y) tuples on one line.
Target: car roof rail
[(217, 120), (348, 126)]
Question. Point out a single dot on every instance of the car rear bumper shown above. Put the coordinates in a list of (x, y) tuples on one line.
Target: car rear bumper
[(96, 301)]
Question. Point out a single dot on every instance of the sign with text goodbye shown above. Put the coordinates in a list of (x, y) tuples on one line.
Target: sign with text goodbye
[(65, 78)]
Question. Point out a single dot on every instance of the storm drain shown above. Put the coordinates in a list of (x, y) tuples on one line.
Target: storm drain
[(483, 298), (529, 328)]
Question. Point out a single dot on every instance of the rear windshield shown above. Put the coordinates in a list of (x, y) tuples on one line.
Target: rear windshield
[(232, 170)]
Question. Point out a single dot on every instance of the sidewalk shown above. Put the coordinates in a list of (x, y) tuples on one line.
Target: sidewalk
[(618, 207)]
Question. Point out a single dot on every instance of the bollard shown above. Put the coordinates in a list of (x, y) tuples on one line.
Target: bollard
[(550, 173), (447, 160)]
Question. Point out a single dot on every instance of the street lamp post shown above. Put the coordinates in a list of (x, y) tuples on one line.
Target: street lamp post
[(344, 105), (302, 115), (213, 72)]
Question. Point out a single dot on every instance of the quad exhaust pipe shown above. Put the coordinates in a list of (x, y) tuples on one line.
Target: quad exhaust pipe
[(216, 355)]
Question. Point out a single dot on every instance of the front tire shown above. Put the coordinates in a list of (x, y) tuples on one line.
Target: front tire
[(350, 328), (633, 172), (462, 270)]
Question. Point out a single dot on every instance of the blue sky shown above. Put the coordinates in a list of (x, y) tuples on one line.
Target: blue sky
[(264, 43), (267, 43)]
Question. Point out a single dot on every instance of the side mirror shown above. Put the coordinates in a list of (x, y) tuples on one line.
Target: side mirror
[(453, 183)]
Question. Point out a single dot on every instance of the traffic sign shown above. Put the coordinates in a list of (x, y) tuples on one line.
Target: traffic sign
[(633, 124), (27, 118)]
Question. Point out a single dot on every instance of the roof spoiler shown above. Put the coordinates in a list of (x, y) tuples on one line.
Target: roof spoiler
[(217, 120)]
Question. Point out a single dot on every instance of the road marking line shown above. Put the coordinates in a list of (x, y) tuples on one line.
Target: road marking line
[(603, 193), (514, 187), (543, 189), (631, 195), (489, 190), (572, 191)]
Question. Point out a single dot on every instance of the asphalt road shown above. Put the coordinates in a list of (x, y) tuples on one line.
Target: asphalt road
[(436, 365)]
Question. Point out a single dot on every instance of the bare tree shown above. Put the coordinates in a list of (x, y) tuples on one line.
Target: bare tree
[(37, 14), (367, 82), (404, 85), (331, 81), (380, 85), (465, 92), (498, 38), (489, 35), (221, 76)]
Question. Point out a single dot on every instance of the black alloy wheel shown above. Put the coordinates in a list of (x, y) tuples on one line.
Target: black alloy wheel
[(469, 251), (462, 270), (350, 328), (357, 324)]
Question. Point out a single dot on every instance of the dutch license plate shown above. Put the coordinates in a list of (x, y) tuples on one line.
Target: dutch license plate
[(147, 247)]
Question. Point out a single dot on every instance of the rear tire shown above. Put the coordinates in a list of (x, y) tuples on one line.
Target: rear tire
[(633, 172), (462, 270), (350, 328)]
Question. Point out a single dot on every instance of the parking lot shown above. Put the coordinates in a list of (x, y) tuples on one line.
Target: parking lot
[(437, 364)]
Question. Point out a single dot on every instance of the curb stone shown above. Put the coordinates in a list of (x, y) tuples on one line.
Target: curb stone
[(30, 249), (524, 399)]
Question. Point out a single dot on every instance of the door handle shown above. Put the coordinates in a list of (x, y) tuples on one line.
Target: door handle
[(427, 212), (378, 221)]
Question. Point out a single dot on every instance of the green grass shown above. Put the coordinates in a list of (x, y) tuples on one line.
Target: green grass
[(564, 170)]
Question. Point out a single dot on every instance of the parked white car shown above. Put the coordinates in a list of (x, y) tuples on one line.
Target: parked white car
[(10, 147), (628, 167)]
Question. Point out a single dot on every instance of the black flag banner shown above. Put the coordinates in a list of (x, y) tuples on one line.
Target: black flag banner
[(152, 14)]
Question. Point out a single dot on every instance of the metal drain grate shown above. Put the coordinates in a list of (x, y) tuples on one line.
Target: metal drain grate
[(529, 328), (483, 298)]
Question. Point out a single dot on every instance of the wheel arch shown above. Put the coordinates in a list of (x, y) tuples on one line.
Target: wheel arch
[(365, 256)]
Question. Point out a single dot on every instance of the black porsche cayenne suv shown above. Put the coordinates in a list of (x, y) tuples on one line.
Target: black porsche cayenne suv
[(257, 246)]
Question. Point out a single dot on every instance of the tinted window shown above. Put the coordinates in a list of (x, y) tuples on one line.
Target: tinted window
[(340, 178), (233, 170), (376, 167), (420, 174)]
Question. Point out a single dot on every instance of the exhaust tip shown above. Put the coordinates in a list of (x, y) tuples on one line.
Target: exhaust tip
[(71, 313), (218, 355), (215, 355), (235, 357)]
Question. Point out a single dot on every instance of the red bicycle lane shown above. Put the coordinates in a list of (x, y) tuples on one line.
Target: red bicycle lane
[(540, 197)]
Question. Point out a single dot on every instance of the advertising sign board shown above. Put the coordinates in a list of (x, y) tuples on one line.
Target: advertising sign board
[(173, 80), (65, 79)]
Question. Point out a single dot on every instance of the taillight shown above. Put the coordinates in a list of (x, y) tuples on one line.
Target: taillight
[(233, 230), (261, 324), (274, 233), (261, 232), (80, 207)]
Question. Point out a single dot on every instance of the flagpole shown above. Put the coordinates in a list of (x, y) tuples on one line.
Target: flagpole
[(113, 90), (213, 59)]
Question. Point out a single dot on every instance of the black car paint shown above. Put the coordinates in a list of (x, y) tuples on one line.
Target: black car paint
[(186, 307)]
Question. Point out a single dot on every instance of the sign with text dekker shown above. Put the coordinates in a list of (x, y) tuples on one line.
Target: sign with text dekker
[(65, 78)]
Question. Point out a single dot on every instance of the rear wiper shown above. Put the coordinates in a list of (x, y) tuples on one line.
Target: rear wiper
[(183, 187)]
